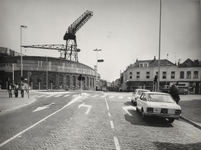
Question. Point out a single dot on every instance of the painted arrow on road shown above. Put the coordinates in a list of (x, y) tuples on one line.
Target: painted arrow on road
[(44, 107), (126, 108), (83, 105)]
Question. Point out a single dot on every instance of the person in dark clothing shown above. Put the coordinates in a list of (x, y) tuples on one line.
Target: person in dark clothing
[(175, 93)]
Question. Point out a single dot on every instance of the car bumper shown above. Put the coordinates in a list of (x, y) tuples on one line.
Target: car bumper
[(162, 115)]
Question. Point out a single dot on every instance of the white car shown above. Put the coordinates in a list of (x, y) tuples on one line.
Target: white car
[(158, 104), (136, 94)]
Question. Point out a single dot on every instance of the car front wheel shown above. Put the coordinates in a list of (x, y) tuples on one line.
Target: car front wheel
[(170, 120), (144, 117)]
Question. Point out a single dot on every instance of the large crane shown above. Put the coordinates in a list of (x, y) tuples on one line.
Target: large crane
[(70, 50)]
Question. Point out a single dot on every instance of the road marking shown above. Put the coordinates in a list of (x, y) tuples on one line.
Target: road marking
[(129, 107), (39, 96), (48, 96), (94, 96), (44, 107), (107, 104), (83, 105), (66, 95), (57, 95), (129, 97), (15, 136), (116, 142), (109, 114), (112, 124), (111, 97), (121, 97)]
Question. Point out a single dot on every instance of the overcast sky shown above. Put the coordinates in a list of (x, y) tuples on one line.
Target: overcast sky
[(124, 29)]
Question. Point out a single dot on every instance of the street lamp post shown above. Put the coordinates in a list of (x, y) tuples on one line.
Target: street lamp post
[(21, 66), (97, 64)]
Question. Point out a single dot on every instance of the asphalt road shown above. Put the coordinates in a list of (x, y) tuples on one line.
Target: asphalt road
[(91, 121)]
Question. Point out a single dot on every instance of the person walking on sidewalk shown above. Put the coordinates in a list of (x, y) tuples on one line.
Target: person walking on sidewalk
[(9, 88), (175, 93), (22, 90), (16, 87)]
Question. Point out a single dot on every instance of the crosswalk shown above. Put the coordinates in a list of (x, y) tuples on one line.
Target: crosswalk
[(75, 95)]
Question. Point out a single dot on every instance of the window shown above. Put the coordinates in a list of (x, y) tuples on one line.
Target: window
[(188, 75), (145, 65), (172, 75), (147, 75), (181, 74), (141, 65), (195, 75), (138, 75), (164, 75)]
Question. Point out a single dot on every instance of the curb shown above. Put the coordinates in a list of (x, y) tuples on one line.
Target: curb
[(191, 122)]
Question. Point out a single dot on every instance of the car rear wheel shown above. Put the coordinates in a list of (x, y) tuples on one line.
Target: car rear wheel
[(170, 120)]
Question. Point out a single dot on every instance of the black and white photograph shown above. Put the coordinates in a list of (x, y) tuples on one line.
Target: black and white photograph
[(100, 74)]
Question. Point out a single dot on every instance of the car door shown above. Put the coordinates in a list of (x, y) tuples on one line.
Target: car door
[(141, 101)]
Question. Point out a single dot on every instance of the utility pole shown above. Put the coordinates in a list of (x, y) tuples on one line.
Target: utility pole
[(97, 65), (22, 26), (159, 52)]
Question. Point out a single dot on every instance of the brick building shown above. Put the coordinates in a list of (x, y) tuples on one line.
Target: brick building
[(44, 72)]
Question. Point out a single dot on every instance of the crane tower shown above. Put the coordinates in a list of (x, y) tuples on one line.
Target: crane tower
[(70, 50)]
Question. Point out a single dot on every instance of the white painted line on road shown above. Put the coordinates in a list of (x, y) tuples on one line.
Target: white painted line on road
[(116, 142), (39, 96), (48, 96), (84, 105), (15, 136), (121, 97), (109, 114), (112, 124), (66, 95), (94, 96), (57, 95), (126, 108), (111, 97), (129, 97), (107, 104)]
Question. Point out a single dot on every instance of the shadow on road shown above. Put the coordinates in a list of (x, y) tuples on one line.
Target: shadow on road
[(178, 146), (136, 119)]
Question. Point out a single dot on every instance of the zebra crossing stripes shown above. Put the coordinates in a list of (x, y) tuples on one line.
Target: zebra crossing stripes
[(66, 95), (58, 95), (121, 97), (94, 96), (40, 96)]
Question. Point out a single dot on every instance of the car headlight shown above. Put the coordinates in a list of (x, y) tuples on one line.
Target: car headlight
[(150, 109), (177, 112)]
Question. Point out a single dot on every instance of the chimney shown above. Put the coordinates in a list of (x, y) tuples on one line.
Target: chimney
[(179, 62), (154, 57)]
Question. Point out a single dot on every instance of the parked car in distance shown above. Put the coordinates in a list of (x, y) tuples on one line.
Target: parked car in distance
[(158, 104), (183, 91), (136, 94)]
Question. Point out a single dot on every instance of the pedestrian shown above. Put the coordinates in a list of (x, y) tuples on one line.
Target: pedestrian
[(22, 90), (9, 88), (16, 87), (175, 93)]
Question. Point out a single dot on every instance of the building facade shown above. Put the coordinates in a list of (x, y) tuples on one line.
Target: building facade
[(45, 72), (141, 74)]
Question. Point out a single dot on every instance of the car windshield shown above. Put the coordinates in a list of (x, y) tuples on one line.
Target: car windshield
[(160, 98), (141, 91)]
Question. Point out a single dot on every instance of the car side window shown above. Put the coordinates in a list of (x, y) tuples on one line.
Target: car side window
[(143, 97)]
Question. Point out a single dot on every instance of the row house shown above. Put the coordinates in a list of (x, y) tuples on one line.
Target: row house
[(141, 74)]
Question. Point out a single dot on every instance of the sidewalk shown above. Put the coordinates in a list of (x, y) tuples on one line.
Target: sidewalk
[(190, 104), (8, 104), (191, 109)]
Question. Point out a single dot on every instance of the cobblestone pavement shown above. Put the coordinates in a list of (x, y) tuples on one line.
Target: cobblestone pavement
[(104, 126)]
